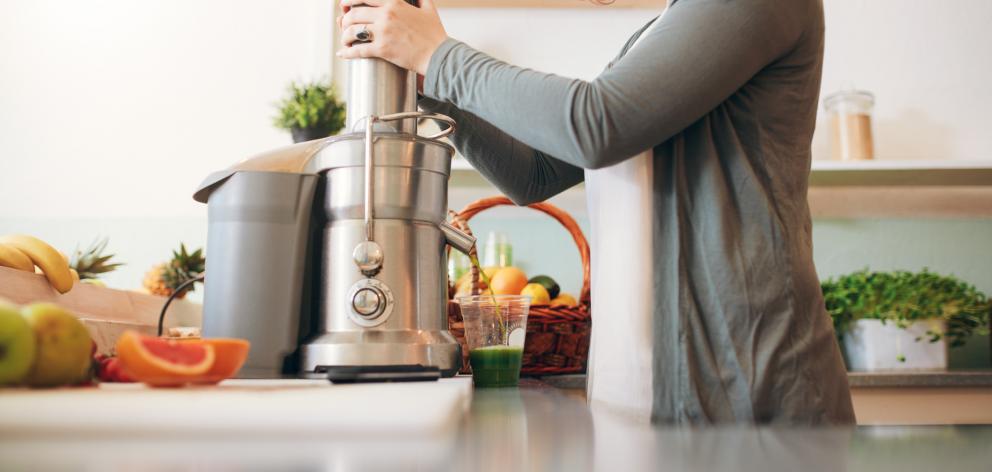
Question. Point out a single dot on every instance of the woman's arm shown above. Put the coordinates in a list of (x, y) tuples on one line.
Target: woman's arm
[(700, 54), (523, 174)]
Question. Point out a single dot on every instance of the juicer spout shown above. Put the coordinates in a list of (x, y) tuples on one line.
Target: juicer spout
[(457, 238)]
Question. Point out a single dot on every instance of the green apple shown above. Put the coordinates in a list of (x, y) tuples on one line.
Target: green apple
[(17, 345), (64, 346)]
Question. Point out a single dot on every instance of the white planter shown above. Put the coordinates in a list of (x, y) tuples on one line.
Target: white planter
[(873, 346)]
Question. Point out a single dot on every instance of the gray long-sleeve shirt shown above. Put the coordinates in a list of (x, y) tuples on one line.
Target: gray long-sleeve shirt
[(725, 93)]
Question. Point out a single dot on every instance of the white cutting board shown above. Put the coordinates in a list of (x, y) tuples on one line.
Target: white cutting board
[(240, 406)]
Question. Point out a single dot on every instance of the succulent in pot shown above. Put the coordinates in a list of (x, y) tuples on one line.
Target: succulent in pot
[(310, 111), (901, 319)]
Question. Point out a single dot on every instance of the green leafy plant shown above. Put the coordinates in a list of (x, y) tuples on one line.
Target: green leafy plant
[(903, 297), (313, 105)]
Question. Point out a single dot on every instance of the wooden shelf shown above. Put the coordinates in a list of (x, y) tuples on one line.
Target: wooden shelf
[(901, 173), (870, 173), (896, 164), (630, 4), (900, 201), (869, 189)]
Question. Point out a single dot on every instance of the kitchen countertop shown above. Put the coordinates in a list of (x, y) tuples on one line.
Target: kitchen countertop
[(535, 427), (951, 378)]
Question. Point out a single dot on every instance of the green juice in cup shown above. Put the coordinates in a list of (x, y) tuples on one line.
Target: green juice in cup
[(496, 366), (495, 328)]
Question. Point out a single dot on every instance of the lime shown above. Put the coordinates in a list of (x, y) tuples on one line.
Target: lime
[(548, 283)]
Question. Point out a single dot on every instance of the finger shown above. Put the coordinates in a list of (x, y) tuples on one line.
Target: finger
[(358, 51), (354, 3), (350, 34), (428, 5), (359, 16)]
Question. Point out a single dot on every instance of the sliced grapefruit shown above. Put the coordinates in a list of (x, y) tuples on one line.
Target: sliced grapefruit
[(163, 362), (229, 356)]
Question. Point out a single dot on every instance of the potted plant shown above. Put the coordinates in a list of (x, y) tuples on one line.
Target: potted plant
[(310, 111), (903, 320)]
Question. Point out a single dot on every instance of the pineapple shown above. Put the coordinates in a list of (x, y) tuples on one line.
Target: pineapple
[(154, 282), (164, 278), (92, 262)]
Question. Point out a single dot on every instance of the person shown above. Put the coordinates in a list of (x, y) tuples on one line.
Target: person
[(694, 146)]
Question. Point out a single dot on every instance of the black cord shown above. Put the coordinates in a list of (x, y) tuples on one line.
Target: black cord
[(175, 293)]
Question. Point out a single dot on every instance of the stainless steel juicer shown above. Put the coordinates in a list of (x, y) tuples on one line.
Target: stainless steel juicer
[(332, 253)]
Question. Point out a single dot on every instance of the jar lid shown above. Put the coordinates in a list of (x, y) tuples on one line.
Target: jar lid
[(857, 98)]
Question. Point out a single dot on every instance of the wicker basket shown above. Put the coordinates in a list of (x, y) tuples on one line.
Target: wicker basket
[(557, 336)]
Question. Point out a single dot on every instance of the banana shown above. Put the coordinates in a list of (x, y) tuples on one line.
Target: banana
[(75, 275), (45, 257), (15, 259)]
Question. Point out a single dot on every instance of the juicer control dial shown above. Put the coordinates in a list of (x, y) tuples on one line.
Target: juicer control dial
[(366, 302), (370, 302)]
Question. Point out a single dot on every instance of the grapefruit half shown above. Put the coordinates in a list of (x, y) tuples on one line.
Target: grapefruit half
[(229, 355), (163, 362)]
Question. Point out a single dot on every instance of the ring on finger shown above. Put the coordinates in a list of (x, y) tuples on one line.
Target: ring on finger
[(364, 34)]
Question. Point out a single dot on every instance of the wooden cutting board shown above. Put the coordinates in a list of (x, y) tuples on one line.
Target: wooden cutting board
[(240, 406)]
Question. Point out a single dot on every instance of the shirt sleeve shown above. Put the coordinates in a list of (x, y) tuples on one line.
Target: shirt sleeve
[(522, 173), (700, 53)]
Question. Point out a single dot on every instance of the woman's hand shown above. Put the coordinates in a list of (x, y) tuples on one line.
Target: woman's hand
[(401, 33)]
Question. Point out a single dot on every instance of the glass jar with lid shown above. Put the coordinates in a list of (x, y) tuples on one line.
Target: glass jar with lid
[(850, 125)]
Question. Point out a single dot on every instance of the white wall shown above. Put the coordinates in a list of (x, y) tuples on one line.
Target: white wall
[(120, 107), (929, 65), (111, 111), (573, 43)]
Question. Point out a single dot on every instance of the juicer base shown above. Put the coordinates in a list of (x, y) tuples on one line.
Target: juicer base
[(381, 348), (381, 373)]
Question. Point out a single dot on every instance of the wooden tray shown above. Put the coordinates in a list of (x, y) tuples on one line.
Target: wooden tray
[(106, 312)]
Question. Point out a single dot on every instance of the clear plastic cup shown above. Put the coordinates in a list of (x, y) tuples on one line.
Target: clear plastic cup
[(495, 330)]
